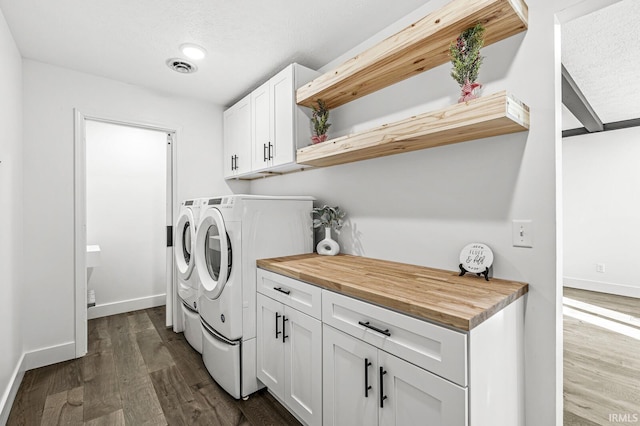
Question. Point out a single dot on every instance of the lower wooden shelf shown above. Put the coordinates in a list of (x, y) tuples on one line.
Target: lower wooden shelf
[(493, 115)]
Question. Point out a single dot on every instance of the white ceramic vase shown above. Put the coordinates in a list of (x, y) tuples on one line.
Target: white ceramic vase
[(328, 246)]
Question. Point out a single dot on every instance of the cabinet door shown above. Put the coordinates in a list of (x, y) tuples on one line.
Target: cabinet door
[(242, 136), (270, 352), (349, 368), (229, 145), (413, 393), (303, 365), (237, 138), (261, 133), (282, 117)]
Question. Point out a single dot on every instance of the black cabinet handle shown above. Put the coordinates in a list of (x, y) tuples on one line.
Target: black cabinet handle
[(284, 336), (232, 166), (264, 152), (270, 151), (235, 162), (277, 318), (287, 292), (367, 387), (371, 327), (382, 395)]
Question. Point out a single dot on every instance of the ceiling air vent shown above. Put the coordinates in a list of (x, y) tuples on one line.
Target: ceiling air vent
[(181, 66)]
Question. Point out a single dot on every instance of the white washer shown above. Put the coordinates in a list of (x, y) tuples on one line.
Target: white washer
[(234, 232), (188, 279)]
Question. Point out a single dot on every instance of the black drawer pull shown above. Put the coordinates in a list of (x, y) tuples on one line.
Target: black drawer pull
[(277, 318), (287, 292), (382, 395), (371, 327), (367, 387), (284, 336)]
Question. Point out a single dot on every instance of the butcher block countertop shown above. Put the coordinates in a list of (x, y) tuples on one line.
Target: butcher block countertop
[(432, 294)]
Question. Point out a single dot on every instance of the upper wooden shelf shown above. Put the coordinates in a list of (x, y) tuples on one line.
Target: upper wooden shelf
[(493, 115), (417, 48)]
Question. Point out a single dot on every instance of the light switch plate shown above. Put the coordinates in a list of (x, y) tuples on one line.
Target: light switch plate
[(522, 233)]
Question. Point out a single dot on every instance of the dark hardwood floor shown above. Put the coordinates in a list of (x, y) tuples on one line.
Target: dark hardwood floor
[(601, 359), (137, 372)]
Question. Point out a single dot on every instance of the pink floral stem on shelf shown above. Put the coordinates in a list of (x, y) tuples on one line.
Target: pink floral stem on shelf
[(467, 91), (318, 139)]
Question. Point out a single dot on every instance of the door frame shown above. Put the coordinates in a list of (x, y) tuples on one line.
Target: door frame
[(80, 215)]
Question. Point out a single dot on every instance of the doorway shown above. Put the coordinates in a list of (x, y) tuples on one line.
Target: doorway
[(124, 202), (601, 306)]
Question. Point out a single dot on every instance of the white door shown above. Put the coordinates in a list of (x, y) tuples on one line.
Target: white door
[(303, 365), (212, 251), (282, 113), (350, 384), (270, 353), (411, 394), (261, 135)]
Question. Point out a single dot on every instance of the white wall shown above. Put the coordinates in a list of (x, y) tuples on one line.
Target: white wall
[(423, 207), (50, 95), (11, 198), (126, 215), (601, 209)]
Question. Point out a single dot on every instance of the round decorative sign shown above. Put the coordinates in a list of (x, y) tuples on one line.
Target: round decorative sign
[(476, 257)]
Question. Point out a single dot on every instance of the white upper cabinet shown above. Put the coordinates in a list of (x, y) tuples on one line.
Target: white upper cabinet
[(260, 126), (277, 127), (284, 126), (237, 139)]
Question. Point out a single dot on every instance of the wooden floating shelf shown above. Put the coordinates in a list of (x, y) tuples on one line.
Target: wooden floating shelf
[(417, 48), (494, 115)]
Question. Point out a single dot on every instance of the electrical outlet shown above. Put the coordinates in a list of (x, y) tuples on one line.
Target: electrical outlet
[(600, 267), (522, 233)]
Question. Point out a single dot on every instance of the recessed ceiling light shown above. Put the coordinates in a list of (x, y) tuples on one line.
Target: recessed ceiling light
[(193, 51)]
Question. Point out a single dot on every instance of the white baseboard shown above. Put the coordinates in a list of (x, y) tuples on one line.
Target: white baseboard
[(51, 355), (602, 287), (123, 306), (10, 392)]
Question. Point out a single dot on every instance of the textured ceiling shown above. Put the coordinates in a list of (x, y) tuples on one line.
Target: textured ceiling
[(247, 40), (601, 51)]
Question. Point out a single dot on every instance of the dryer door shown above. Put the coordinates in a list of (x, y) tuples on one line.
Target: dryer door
[(185, 240), (213, 253)]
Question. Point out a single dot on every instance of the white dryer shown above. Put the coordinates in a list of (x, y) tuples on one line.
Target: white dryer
[(233, 232), (188, 280)]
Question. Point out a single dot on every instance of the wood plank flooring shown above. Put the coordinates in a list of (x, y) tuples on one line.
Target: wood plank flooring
[(601, 366), (137, 372)]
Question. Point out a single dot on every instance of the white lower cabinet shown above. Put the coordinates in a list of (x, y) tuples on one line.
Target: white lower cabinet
[(334, 360), (363, 385), (270, 346), (350, 382), (289, 357)]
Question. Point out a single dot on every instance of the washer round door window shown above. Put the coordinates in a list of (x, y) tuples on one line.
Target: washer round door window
[(185, 241), (213, 253)]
